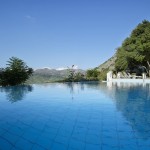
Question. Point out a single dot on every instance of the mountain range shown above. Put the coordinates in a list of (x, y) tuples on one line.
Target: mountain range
[(43, 75)]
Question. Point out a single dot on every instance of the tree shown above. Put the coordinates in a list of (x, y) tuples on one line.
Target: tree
[(92, 74), (71, 75), (74, 75), (135, 50), (16, 72), (121, 62), (79, 77)]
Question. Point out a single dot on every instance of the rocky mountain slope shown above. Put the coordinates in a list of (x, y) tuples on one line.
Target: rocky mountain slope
[(50, 75), (109, 64)]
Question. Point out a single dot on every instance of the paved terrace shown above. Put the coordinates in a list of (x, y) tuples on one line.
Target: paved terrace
[(131, 80)]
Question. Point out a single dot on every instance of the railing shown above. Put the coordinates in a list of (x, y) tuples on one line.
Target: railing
[(110, 76)]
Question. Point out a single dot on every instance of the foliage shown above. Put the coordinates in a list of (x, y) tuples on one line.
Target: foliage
[(16, 72), (74, 76), (135, 50), (92, 74), (79, 76), (95, 74), (103, 75), (71, 72)]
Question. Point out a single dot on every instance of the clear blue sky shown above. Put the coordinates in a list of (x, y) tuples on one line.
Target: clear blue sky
[(59, 33)]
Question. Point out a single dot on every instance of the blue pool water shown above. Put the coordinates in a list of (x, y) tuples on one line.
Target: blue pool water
[(85, 116)]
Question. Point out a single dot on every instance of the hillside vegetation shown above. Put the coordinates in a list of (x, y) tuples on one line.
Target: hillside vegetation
[(134, 53), (109, 64), (132, 56)]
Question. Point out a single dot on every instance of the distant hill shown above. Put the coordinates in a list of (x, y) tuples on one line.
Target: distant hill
[(51, 72), (109, 64), (50, 75)]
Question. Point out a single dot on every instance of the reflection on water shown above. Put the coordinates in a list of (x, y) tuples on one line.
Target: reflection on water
[(71, 87), (76, 87), (16, 93), (133, 101)]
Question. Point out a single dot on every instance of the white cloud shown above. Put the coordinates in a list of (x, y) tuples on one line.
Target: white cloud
[(75, 67), (47, 68), (62, 68), (29, 17), (42, 68)]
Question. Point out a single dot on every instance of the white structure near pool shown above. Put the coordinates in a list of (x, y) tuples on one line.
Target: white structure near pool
[(138, 79)]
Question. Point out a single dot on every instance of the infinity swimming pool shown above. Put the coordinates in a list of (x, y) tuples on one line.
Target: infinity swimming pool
[(75, 116)]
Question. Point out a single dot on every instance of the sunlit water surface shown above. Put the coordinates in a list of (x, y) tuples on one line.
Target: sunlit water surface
[(75, 116)]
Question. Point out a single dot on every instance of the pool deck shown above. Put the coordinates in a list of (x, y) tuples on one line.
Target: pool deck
[(131, 80)]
